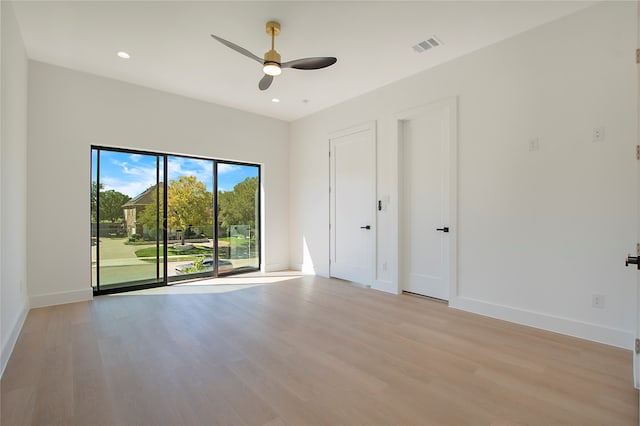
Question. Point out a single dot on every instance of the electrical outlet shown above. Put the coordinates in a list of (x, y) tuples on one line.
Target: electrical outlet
[(597, 301), (534, 145), (598, 134), (384, 266)]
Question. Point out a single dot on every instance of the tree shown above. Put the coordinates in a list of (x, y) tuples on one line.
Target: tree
[(238, 207), (111, 203), (189, 203), (94, 200)]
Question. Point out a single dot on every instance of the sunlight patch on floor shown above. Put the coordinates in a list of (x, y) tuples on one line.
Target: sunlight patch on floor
[(217, 285)]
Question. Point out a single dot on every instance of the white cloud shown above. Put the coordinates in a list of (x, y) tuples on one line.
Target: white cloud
[(201, 169), (130, 188), (135, 181), (227, 168)]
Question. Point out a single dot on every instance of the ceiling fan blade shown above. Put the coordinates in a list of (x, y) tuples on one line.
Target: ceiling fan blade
[(265, 82), (238, 49), (309, 63)]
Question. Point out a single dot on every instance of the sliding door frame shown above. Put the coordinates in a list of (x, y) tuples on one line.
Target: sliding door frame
[(258, 216), (165, 280), (141, 285)]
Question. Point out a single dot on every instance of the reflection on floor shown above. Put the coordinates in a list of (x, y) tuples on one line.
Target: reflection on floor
[(219, 285)]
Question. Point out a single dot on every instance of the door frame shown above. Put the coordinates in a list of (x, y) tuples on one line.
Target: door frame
[(636, 355), (371, 127), (451, 104)]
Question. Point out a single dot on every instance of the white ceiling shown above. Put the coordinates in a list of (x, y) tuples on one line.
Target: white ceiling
[(171, 48)]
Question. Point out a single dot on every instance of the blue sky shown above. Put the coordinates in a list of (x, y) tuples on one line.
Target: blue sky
[(133, 173)]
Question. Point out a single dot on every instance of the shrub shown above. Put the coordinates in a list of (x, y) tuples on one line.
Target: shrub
[(134, 237)]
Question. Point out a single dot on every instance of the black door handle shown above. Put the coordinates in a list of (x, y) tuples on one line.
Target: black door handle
[(445, 229), (632, 260), (366, 227)]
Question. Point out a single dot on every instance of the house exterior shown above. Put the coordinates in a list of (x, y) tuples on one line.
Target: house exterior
[(134, 208)]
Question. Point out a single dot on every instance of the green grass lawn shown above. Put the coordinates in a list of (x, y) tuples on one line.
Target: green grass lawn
[(151, 251), (238, 242)]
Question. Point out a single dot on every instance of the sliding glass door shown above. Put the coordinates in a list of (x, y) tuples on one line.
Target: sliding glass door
[(157, 218), (127, 242), (238, 217), (190, 218)]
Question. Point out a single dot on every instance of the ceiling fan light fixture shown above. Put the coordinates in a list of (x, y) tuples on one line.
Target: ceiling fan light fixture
[(272, 63), (272, 68)]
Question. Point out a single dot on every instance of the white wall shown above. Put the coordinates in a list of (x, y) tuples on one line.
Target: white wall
[(539, 232), (69, 111), (13, 176)]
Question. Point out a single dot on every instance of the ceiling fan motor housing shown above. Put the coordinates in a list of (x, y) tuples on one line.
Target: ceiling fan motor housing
[(272, 56)]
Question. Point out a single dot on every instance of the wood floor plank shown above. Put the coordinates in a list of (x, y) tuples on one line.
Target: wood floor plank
[(304, 351), (18, 406)]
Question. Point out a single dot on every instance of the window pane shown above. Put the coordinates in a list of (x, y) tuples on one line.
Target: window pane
[(238, 217), (190, 217), (128, 234)]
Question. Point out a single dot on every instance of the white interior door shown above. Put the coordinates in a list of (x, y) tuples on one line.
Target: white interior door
[(352, 227), (427, 222)]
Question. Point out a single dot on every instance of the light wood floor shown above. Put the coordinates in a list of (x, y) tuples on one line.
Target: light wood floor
[(305, 351)]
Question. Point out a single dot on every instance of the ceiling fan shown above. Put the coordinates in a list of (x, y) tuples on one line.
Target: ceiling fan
[(272, 63)]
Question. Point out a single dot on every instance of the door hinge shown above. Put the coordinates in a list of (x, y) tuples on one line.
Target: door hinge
[(638, 346), (637, 56), (637, 152)]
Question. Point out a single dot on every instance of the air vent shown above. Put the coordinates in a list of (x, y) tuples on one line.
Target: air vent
[(427, 44)]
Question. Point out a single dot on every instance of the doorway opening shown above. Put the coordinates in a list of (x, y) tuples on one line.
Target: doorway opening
[(157, 219)]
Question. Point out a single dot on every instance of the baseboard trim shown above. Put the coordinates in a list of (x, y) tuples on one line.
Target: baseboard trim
[(275, 267), (386, 286), (42, 300), (7, 348), (571, 327), (305, 268)]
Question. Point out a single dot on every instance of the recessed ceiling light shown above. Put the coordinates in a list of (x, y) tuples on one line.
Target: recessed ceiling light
[(275, 100), (124, 55)]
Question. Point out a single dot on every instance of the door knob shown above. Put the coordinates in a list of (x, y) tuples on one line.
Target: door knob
[(366, 227), (632, 260), (445, 229)]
